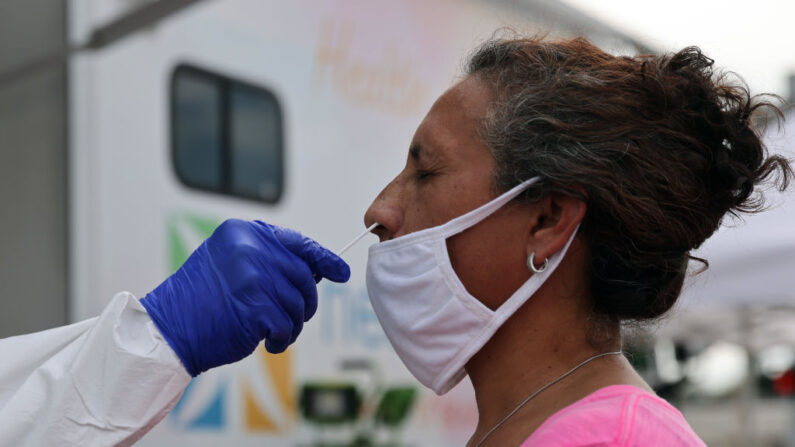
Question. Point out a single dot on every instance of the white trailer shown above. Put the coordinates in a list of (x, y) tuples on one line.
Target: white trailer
[(296, 113)]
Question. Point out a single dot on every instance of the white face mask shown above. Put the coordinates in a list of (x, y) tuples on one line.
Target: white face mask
[(433, 323)]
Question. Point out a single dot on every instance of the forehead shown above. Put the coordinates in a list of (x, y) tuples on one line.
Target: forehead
[(455, 117)]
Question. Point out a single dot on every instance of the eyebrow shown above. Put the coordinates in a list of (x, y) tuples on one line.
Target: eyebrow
[(420, 153), (416, 151)]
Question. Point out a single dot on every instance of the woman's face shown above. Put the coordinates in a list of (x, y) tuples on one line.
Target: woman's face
[(449, 172)]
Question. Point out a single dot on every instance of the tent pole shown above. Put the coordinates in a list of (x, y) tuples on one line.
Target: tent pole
[(747, 391)]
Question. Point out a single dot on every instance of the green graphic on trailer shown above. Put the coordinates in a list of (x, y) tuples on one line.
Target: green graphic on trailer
[(183, 232), (200, 228)]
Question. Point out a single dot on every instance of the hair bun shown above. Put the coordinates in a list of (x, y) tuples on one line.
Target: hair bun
[(717, 110)]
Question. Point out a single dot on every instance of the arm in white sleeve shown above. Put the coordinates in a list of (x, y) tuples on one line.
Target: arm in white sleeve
[(103, 381)]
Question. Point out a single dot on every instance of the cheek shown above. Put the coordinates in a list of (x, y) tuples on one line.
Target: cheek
[(419, 213), (431, 205), (489, 259), (445, 199)]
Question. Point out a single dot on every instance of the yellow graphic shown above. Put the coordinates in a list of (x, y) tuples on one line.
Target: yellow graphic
[(280, 370)]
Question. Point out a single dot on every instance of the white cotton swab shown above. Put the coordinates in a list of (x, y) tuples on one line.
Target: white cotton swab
[(357, 239)]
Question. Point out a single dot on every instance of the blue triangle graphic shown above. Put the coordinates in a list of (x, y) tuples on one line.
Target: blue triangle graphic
[(213, 417)]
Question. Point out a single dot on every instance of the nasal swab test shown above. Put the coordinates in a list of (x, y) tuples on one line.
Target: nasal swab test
[(350, 244), (357, 239)]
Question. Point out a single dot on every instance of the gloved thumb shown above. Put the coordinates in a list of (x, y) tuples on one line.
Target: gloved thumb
[(322, 261)]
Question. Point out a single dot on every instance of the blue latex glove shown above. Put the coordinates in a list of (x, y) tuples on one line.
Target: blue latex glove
[(249, 281)]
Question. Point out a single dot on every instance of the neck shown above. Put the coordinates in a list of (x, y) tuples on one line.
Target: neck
[(534, 347), (548, 336), (505, 371)]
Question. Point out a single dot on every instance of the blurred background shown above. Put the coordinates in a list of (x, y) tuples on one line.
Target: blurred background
[(130, 128)]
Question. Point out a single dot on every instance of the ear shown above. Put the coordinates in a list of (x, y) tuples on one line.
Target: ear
[(558, 218)]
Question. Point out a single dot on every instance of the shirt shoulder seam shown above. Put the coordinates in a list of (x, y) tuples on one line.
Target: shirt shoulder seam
[(627, 420)]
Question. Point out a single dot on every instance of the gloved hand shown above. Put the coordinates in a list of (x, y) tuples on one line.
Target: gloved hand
[(249, 281)]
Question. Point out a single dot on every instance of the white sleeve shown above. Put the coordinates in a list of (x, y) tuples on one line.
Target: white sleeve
[(104, 381)]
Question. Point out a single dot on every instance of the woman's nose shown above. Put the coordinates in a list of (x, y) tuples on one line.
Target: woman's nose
[(386, 210)]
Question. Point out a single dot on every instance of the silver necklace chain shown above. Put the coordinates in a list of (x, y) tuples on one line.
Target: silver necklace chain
[(538, 391)]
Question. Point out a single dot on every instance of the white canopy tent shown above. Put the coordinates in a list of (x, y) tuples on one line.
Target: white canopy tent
[(750, 283)]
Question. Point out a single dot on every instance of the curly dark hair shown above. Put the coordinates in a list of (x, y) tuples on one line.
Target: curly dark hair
[(663, 146)]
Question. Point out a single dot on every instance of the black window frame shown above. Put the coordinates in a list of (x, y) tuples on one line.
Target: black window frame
[(225, 84)]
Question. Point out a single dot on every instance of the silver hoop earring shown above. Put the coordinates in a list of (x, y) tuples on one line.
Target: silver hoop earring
[(532, 266)]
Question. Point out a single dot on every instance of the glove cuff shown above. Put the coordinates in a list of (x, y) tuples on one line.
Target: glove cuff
[(149, 303)]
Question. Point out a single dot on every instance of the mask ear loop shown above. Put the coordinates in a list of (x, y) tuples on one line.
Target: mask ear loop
[(532, 265)]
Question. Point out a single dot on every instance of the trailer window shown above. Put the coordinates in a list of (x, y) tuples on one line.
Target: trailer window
[(226, 136), (197, 130), (256, 145)]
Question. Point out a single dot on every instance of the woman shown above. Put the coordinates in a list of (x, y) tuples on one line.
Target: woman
[(599, 175)]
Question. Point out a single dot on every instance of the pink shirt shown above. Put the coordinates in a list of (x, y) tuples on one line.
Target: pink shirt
[(616, 416)]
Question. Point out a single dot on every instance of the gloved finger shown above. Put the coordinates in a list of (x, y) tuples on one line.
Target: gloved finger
[(295, 271), (308, 290), (278, 254), (306, 285), (297, 328), (291, 302), (322, 261), (275, 347), (279, 331), (301, 277)]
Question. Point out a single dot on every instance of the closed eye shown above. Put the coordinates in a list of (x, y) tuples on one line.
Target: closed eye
[(423, 175)]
